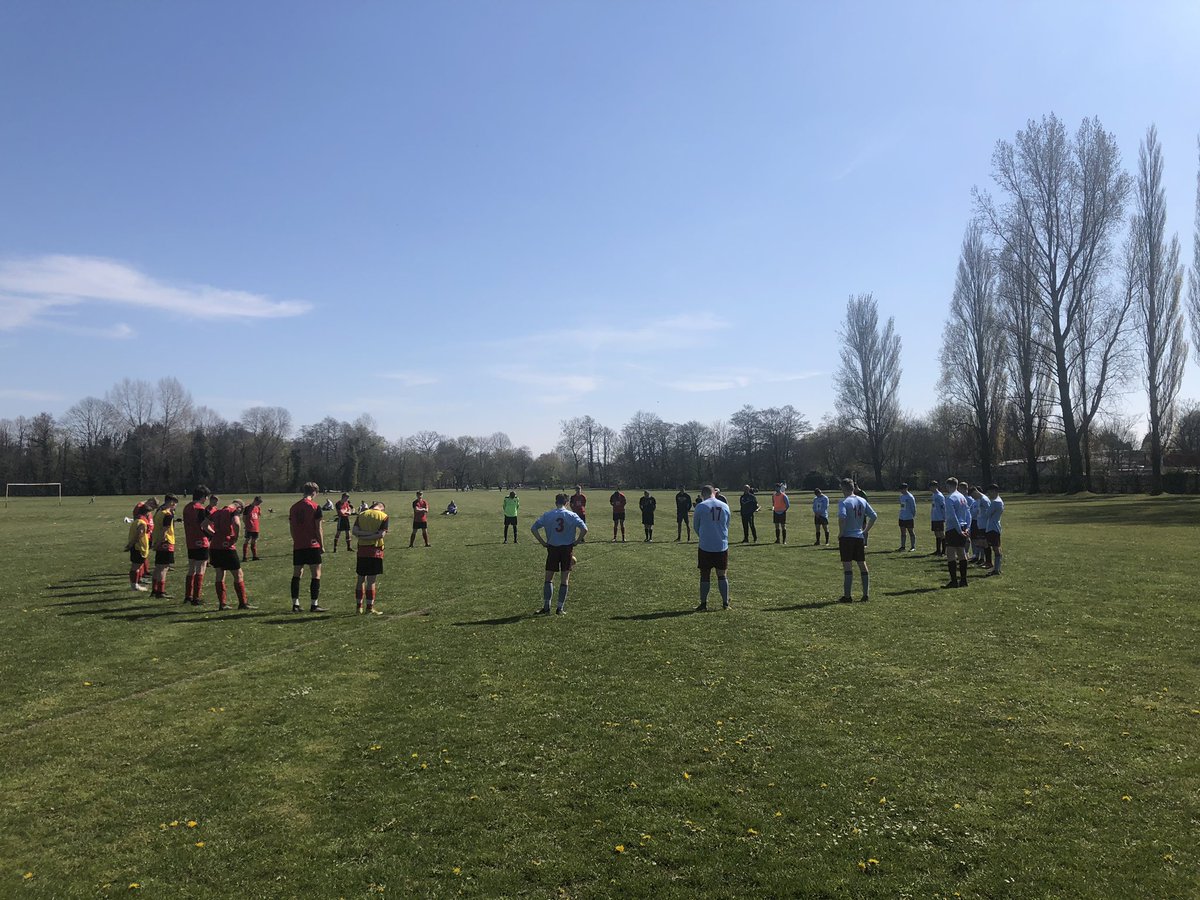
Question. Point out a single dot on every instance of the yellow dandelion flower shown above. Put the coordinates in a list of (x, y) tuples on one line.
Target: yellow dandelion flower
[(27, 875), (751, 831), (1126, 798), (414, 756), (687, 777), (457, 870), (958, 806), (633, 784), (871, 780), (1167, 857), (133, 885), (424, 765), (883, 801), (174, 823), (872, 862), (620, 848), (823, 785), (199, 843), (192, 823), (647, 837), (375, 747), (87, 684), (778, 814), (862, 865)]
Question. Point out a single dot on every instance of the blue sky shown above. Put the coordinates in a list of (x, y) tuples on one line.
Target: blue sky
[(474, 217)]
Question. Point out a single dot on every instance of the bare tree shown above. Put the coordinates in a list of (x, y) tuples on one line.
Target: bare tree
[(134, 401), (1067, 195), (745, 429), (868, 378), (975, 347), (424, 446), (1155, 280), (572, 443), (267, 429), (1194, 272)]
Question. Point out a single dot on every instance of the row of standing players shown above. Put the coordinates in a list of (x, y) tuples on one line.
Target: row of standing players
[(212, 533)]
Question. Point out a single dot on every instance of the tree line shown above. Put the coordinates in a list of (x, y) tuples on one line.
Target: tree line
[(1067, 289)]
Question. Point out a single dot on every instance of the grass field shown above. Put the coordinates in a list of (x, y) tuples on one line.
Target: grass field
[(1035, 735)]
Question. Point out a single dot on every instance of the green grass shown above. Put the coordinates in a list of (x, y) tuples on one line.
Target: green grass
[(1035, 735)]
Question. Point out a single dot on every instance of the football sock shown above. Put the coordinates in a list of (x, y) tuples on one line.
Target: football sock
[(999, 558), (295, 588), (847, 582), (239, 588), (785, 535), (562, 595), (547, 593), (953, 571), (314, 589), (704, 586), (988, 558), (199, 587), (220, 585), (962, 571), (245, 545), (866, 582), (370, 595), (723, 587), (358, 592)]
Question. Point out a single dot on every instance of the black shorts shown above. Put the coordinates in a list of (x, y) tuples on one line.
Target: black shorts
[(937, 527), (164, 557), (618, 516), (852, 549), (779, 518), (251, 535), (420, 526), (198, 555), (647, 518), (821, 520), (369, 565), (712, 559), (681, 515), (343, 524), (906, 523), (976, 534), (226, 559), (510, 520), (955, 538), (993, 538), (558, 559), (135, 558), (306, 556)]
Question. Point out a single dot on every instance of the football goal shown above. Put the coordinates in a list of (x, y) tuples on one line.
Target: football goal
[(13, 490)]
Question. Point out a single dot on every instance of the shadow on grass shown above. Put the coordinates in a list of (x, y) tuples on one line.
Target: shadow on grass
[(910, 591), (97, 598), (664, 614), (506, 620), (812, 604), (145, 614), (96, 576)]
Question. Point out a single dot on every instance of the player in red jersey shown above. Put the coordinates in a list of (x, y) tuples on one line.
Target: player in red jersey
[(227, 525), (420, 519), (145, 509), (308, 541), (250, 516), (344, 509), (578, 504), (618, 505), (164, 545), (197, 531), (370, 528)]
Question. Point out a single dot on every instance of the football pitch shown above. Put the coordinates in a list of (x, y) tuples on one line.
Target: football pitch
[(1032, 735)]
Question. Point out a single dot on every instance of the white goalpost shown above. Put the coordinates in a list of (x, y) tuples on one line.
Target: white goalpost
[(8, 489)]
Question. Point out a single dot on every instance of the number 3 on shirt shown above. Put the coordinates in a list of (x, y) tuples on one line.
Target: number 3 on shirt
[(562, 523)]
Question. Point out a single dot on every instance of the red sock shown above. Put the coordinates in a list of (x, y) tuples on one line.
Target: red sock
[(244, 546), (156, 586), (196, 594), (221, 593), (358, 592), (240, 587), (371, 595)]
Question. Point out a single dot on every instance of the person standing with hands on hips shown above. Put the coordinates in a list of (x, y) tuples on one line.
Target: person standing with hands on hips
[(560, 525)]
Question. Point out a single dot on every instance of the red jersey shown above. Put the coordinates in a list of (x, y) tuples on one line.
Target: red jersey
[(226, 527), (344, 509), (194, 516), (166, 530), (579, 504), (618, 502), (304, 518), (252, 514), (420, 510)]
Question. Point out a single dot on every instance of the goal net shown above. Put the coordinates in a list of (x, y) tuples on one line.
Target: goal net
[(15, 490)]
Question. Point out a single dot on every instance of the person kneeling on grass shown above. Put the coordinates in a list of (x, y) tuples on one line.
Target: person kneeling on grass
[(370, 528), (560, 525)]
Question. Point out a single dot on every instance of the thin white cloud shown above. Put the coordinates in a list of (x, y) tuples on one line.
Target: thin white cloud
[(566, 385), (411, 379), (727, 381), (22, 394), (33, 290), (669, 333)]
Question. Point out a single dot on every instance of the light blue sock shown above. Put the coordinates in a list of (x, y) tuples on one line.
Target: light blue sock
[(562, 595), (704, 586), (547, 593), (848, 583), (866, 580), (723, 587)]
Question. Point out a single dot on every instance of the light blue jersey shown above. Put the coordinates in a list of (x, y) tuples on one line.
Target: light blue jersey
[(937, 506), (995, 511), (982, 512), (908, 507), (853, 515), (821, 506), (560, 525), (710, 518), (957, 510)]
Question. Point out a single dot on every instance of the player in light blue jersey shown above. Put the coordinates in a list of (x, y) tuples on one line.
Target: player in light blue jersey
[(908, 514), (937, 518), (855, 518), (995, 511), (710, 518), (958, 531), (980, 512), (560, 525), (820, 508)]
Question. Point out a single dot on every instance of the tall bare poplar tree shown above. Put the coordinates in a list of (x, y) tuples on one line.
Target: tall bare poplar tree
[(868, 378), (975, 346), (1068, 194), (1155, 280), (1194, 272)]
